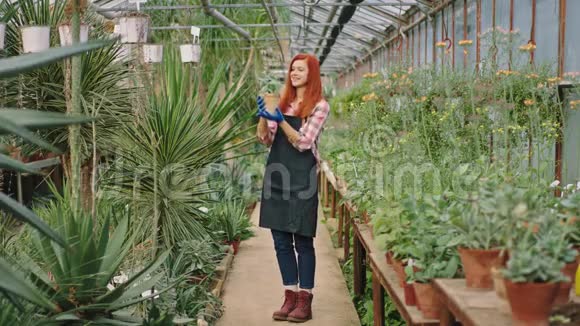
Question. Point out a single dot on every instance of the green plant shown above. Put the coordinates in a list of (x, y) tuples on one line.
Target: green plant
[(231, 221), (160, 168), (570, 209), (270, 85), (540, 250), (196, 258)]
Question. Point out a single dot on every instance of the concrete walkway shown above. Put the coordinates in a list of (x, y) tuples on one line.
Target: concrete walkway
[(254, 287)]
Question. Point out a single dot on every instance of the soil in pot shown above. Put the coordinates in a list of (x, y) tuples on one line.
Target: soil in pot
[(531, 303), (428, 300), (477, 265)]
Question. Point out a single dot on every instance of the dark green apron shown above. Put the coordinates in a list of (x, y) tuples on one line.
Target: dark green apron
[(290, 189)]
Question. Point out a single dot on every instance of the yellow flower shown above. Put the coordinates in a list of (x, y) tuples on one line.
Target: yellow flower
[(441, 44), (370, 75), (530, 47), (465, 42), (575, 104), (530, 76), (395, 75), (553, 80), (529, 102), (370, 97)]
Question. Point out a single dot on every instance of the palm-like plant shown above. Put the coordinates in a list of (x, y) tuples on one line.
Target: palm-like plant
[(102, 92), (160, 164)]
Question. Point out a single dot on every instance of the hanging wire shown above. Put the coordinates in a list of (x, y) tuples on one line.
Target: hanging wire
[(275, 31)]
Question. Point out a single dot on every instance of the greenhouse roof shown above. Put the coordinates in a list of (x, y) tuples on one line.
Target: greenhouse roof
[(313, 25)]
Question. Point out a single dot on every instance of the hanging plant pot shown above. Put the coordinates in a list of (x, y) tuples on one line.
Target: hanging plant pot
[(65, 33), (134, 28), (531, 303), (35, 38), (477, 265), (152, 53), (2, 35), (190, 53)]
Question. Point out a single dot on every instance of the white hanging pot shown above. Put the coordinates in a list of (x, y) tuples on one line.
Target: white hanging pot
[(2, 35), (134, 29), (65, 33), (152, 53), (190, 52), (35, 38)]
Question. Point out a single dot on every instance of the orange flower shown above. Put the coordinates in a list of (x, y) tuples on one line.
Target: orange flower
[(529, 102), (575, 104)]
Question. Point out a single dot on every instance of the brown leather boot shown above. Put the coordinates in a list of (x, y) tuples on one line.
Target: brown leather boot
[(303, 310), (289, 305)]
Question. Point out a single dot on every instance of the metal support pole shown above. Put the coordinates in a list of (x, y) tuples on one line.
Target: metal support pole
[(224, 20)]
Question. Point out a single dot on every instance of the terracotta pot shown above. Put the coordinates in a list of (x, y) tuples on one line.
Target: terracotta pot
[(409, 290), (389, 256), (531, 303), (477, 266), (271, 102), (563, 295), (236, 245), (399, 268), (428, 300)]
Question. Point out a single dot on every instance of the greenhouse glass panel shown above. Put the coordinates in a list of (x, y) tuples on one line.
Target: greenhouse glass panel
[(523, 25), (572, 53), (438, 38), (571, 145), (502, 22), (429, 59), (459, 17), (471, 33), (418, 47), (547, 33), (486, 28)]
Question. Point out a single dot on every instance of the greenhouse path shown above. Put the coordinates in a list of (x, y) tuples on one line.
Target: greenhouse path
[(254, 286)]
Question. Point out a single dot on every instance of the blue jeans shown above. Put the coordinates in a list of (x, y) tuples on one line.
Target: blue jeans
[(293, 271)]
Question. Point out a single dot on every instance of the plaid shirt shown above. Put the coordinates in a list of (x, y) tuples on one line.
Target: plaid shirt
[(309, 132)]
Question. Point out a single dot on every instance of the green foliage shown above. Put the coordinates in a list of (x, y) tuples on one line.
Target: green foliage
[(161, 167), (230, 221), (196, 257), (270, 85)]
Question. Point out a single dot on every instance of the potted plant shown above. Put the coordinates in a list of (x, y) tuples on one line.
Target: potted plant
[(481, 224), (35, 38), (533, 273), (232, 223), (197, 259), (65, 29), (438, 262), (7, 10), (134, 27), (270, 90), (152, 53)]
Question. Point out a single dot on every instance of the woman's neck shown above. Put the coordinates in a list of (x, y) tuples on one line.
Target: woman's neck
[(300, 93)]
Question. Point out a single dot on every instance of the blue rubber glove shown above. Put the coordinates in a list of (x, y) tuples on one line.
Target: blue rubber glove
[(262, 112)]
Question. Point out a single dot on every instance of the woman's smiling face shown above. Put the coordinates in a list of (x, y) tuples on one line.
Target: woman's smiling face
[(299, 73)]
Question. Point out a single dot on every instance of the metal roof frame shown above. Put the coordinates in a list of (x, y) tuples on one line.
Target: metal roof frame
[(309, 25)]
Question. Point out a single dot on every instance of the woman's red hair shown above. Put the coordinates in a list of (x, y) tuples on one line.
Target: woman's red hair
[(313, 93)]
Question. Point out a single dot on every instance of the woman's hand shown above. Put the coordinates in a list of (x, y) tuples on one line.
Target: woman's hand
[(263, 113)]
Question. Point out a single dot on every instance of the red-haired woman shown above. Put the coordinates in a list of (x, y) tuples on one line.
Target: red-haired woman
[(289, 203)]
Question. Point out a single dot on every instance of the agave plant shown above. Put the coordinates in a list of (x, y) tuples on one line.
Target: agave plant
[(73, 284), (161, 159)]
